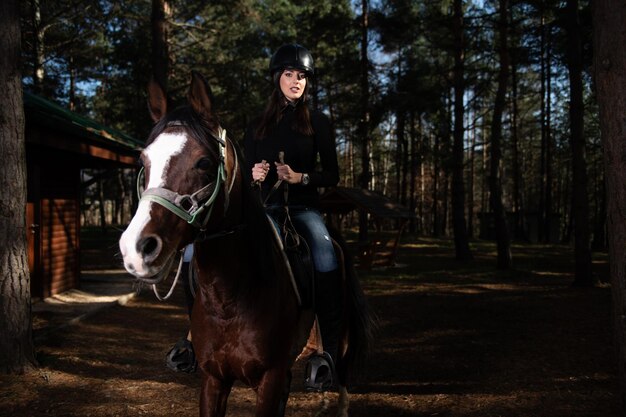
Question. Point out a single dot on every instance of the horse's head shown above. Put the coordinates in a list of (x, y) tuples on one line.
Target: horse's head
[(189, 167)]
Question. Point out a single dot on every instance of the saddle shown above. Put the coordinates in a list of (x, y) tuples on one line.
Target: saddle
[(294, 255)]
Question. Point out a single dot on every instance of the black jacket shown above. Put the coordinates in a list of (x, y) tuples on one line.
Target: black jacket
[(301, 154)]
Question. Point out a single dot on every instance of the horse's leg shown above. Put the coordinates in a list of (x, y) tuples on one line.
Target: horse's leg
[(282, 406), (270, 392), (213, 397), (343, 403)]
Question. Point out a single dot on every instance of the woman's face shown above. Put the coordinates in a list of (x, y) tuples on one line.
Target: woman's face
[(292, 83)]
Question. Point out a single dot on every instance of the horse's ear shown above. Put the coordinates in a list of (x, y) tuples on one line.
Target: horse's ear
[(157, 100), (200, 97)]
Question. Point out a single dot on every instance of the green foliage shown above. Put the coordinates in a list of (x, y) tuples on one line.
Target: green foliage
[(64, 36), (104, 49)]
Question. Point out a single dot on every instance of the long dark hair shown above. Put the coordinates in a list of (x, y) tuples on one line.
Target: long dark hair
[(275, 108)]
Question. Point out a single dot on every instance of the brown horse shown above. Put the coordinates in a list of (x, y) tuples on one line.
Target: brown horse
[(246, 321)]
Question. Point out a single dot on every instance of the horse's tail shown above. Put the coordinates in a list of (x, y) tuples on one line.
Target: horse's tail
[(360, 323)]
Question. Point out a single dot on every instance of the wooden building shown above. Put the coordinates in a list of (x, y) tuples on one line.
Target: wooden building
[(59, 143)]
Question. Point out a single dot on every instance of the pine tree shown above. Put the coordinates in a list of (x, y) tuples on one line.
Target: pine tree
[(16, 343)]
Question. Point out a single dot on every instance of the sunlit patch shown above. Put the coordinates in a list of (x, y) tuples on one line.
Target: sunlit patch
[(550, 274)]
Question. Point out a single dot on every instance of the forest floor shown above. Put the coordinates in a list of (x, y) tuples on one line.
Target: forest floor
[(455, 339)]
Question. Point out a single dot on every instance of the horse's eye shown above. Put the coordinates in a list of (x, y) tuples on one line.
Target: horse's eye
[(203, 164)]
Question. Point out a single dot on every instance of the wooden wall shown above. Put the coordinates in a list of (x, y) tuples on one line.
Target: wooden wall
[(53, 195), (59, 238), (54, 158)]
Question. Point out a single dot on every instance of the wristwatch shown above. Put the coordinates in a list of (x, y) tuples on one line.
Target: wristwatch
[(305, 179)]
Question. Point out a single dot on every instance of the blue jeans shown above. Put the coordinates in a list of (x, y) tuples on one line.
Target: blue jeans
[(310, 225), (188, 254)]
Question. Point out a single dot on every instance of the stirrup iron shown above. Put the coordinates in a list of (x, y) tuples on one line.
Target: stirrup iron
[(320, 371), (182, 358)]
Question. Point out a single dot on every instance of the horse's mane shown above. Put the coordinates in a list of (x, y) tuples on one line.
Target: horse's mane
[(184, 119), (257, 232)]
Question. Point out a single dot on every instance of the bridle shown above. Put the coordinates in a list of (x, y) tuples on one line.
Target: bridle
[(195, 208)]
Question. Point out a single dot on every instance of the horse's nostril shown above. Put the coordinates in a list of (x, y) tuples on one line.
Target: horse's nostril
[(149, 247), (130, 267)]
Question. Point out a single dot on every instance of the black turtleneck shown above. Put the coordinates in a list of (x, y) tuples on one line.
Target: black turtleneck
[(301, 154)]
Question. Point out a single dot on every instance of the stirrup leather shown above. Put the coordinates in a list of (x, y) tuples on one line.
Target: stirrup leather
[(181, 358), (320, 371)]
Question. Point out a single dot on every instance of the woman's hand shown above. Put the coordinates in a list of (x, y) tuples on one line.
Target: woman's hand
[(260, 170), (285, 173)]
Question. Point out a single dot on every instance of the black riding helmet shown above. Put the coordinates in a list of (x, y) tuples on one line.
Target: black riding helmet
[(292, 56)]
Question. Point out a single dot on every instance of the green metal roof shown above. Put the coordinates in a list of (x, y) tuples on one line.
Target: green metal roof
[(50, 114)]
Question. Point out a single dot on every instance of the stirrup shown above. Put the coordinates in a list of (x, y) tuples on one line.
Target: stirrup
[(182, 358), (320, 371)]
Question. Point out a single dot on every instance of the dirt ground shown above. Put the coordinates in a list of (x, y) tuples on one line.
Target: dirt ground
[(454, 340)]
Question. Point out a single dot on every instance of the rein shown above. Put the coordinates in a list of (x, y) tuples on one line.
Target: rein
[(171, 291), (281, 159)]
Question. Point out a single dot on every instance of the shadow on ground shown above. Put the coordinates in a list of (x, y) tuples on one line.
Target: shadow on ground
[(454, 340)]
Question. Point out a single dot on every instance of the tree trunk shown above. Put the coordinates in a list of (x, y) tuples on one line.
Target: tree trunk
[(445, 216), (599, 232), (160, 50), (484, 194), (72, 82), (435, 190), (101, 205), (495, 185), (365, 116), (470, 184), (16, 342), (405, 165), (610, 71), (542, 100), (545, 208), (580, 200), (414, 167), (548, 209), (459, 227), (401, 151), (121, 197), (518, 229), (38, 47)]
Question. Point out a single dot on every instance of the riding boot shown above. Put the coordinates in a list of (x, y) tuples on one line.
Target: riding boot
[(328, 307)]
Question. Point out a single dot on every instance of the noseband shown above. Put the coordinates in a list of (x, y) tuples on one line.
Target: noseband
[(195, 208)]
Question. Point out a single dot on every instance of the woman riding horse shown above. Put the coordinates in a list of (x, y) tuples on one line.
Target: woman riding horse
[(246, 321), (289, 126)]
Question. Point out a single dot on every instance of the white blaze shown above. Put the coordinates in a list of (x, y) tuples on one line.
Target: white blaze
[(159, 153)]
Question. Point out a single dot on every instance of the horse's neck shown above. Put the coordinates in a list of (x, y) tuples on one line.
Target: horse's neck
[(233, 267), (217, 256), (221, 274)]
